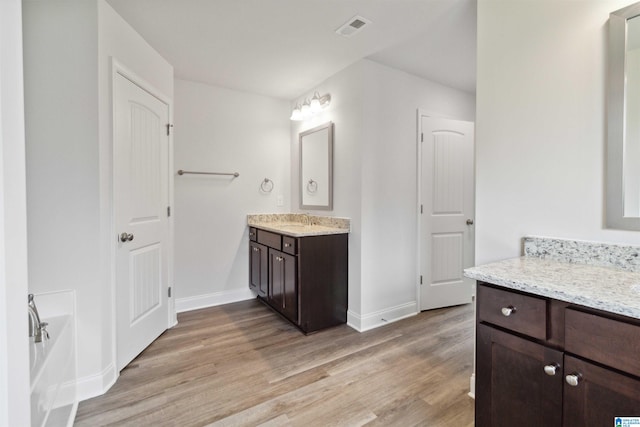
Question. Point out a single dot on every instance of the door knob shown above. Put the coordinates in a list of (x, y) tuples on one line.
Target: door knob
[(469, 222), (124, 237)]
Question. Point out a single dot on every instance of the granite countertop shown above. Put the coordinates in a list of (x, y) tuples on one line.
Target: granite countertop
[(604, 288), (299, 225)]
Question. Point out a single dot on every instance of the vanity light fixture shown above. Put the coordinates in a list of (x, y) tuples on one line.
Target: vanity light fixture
[(309, 108)]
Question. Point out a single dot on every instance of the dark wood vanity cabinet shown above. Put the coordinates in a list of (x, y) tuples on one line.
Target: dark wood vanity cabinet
[(305, 278), (541, 361)]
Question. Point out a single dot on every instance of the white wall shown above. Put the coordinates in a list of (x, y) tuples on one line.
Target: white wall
[(346, 112), (61, 99), (68, 45), (14, 353), (374, 108), (389, 179), (223, 130), (541, 120)]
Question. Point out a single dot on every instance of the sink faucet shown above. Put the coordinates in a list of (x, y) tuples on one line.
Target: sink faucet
[(37, 329)]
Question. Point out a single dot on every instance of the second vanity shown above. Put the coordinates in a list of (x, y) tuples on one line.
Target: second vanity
[(298, 265), (558, 335)]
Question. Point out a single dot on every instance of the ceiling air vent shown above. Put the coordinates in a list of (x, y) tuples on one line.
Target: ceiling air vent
[(353, 26)]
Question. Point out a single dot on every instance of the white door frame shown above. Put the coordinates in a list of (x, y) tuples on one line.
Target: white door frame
[(118, 68), (419, 114), (14, 362)]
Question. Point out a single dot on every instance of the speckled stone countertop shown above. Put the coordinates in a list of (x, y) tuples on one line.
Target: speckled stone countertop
[(299, 225), (605, 288)]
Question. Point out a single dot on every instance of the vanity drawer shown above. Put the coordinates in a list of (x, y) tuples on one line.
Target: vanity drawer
[(608, 341), (514, 311), (253, 235), (290, 245), (272, 240)]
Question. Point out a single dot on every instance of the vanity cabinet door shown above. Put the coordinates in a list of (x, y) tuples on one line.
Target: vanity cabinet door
[(283, 287), (598, 396), (258, 268), (513, 388)]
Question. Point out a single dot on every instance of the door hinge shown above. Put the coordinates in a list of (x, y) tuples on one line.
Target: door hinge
[(421, 279), (422, 137), (168, 210), (421, 208), (169, 292), (169, 126)]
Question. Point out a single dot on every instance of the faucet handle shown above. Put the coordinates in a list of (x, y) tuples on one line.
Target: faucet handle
[(43, 330)]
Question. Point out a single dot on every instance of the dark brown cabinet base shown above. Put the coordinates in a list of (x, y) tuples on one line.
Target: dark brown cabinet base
[(306, 277), (543, 362)]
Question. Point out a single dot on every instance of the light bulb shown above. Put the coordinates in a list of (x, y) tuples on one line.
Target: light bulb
[(296, 114), (315, 106), (305, 110)]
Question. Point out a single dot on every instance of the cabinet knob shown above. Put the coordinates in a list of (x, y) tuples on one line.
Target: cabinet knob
[(551, 369), (508, 311), (256, 250), (573, 379), (286, 245)]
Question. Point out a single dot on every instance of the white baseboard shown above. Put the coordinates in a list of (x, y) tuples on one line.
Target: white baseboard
[(211, 300), (472, 386), (379, 318), (97, 384)]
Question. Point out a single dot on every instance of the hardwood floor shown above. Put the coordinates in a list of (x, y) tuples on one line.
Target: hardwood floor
[(242, 365)]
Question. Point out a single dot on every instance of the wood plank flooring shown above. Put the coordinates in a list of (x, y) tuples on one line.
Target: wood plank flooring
[(242, 365)]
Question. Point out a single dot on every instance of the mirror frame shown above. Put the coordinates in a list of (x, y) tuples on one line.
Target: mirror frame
[(329, 206), (615, 125)]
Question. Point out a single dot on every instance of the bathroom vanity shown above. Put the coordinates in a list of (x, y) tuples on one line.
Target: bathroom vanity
[(298, 265), (557, 340)]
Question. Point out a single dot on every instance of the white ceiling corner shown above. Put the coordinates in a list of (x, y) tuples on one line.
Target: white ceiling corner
[(283, 48)]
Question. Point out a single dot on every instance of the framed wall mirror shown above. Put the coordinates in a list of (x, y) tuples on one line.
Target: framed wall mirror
[(623, 126), (316, 168)]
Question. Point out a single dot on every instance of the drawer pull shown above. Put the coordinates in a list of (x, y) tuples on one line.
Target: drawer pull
[(286, 245), (573, 379), (551, 369), (508, 311)]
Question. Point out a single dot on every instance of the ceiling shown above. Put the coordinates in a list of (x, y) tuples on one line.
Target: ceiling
[(283, 48)]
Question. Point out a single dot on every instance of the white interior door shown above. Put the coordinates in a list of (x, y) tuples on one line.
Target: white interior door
[(141, 175), (447, 197)]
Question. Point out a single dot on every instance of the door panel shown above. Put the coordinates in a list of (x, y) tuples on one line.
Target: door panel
[(447, 198), (283, 290), (512, 386), (145, 281), (600, 395), (141, 194), (258, 268)]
